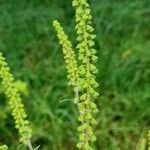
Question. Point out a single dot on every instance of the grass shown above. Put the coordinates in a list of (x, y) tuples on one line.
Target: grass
[(28, 40)]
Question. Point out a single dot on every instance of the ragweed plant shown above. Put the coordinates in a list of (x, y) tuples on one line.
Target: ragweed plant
[(87, 69), (15, 102), (84, 76)]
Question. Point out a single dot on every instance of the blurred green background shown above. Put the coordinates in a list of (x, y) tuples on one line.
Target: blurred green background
[(28, 41)]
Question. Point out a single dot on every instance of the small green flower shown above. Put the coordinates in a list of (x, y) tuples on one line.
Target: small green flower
[(15, 101)]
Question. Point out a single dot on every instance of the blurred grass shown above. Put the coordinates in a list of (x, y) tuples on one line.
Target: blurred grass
[(28, 41)]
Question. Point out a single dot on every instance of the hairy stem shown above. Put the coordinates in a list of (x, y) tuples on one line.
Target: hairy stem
[(29, 144), (76, 92)]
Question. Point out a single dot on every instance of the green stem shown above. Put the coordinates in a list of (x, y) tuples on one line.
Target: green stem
[(29, 144)]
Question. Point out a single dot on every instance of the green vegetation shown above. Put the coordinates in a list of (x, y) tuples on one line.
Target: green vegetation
[(28, 41)]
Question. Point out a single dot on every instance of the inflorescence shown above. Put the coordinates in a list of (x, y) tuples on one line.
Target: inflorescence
[(85, 70), (15, 101)]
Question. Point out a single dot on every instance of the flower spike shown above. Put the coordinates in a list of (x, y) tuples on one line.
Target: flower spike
[(15, 101), (87, 70), (69, 54)]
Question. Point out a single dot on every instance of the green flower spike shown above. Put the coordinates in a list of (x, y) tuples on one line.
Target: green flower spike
[(15, 101), (87, 70), (69, 54)]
